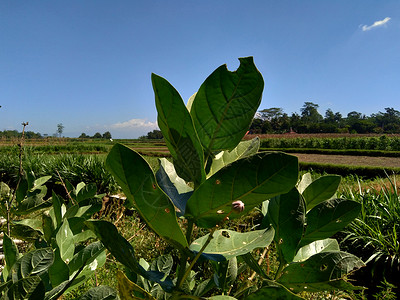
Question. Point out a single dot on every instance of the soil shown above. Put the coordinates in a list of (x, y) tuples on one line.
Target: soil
[(390, 162)]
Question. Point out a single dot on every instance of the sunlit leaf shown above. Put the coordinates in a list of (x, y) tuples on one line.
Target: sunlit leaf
[(225, 104)]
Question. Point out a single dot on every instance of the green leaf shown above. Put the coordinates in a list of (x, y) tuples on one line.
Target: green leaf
[(227, 272), (128, 288), (33, 263), (321, 272), (85, 256), (178, 130), (174, 186), (329, 217), (10, 251), (225, 104), (57, 202), (100, 293), (305, 181), (123, 251), (65, 241), (48, 227), (35, 224), (31, 288), (251, 180), (119, 247), (87, 191), (227, 244), (244, 149), (137, 180), (40, 181), (33, 202), (316, 247), (273, 290), (286, 213), (321, 189), (5, 191), (59, 270)]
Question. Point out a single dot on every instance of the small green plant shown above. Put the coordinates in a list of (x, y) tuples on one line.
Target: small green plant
[(374, 234), (216, 177), (63, 258)]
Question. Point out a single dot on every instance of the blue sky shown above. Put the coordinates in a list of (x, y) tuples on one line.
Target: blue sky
[(87, 64)]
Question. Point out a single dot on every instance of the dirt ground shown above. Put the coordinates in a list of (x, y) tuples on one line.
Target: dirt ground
[(392, 162)]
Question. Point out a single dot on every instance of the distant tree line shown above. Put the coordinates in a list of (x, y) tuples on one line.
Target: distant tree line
[(152, 135), (15, 134), (275, 120), (97, 135)]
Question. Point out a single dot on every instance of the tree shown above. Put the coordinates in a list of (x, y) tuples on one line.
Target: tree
[(84, 136), (310, 114), (60, 129), (107, 135), (155, 134), (97, 135), (271, 113)]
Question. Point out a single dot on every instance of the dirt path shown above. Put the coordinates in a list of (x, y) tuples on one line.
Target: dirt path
[(392, 162)]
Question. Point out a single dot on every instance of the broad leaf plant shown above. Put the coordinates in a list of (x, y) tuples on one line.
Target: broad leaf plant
[(213, 177)]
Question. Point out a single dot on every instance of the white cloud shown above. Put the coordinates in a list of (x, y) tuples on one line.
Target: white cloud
[(376, 24), (135, 124)]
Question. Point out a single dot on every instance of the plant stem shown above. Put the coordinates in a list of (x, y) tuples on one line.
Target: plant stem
[(184, 256), (281, 265), (20, 175), (187, 272)]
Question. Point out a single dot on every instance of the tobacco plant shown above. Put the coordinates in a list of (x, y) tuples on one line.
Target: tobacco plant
[(214, 177), (63, 256)]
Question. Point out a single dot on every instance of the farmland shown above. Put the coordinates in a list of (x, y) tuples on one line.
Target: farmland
[(82, 160)]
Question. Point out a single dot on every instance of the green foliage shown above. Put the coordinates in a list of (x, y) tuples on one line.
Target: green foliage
[(382, 143), (214, 177), (63, 258), (375, 233)]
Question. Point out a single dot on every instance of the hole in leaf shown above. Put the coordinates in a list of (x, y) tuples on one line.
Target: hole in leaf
[(167, 210), (154, 186), (324, 267), (226, 234), (220, 212)]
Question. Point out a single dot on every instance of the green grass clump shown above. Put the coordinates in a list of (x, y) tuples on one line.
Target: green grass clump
[(374, 235)]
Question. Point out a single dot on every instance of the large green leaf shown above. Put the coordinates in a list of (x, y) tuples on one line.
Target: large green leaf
[(33, 263), (225, 104), (244, 149), (174, 186), (251, 180), (123, 251), (227, 244), (320, 190), (65, 241), (321, 272), (316, 247), (137, 180), (329, 217), (286, 213), (178, 130)]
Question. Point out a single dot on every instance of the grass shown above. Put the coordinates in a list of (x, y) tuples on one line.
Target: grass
[(374, 235)]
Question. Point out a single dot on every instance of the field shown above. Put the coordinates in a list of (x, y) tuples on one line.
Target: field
[(76, 160)]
